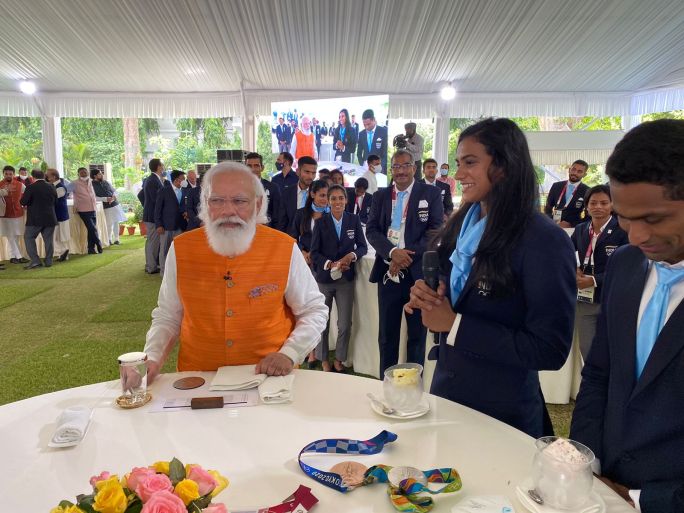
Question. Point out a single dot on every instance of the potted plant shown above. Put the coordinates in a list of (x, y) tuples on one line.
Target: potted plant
[(138, 219), (121, 229)]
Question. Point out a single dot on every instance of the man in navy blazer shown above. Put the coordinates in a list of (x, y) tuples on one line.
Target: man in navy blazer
[(294, 196), (630, 409), (168, 214), (255, 162), (151, 187), (399, 249), (378, 140), (565, 202), (430, 167), (358, 200), (282, 133)]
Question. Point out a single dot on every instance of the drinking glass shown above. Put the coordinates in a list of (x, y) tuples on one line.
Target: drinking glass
[(133, 374), (403, 395)]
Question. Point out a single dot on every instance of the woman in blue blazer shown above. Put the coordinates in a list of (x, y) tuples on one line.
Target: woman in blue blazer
[(302, 224), (595, 240), (344, 138), (506, 302), (338, 242)]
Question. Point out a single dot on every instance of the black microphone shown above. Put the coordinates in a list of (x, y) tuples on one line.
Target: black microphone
[(431, 269)]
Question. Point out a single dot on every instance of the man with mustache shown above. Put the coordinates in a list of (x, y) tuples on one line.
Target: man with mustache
[(253, 299), (565, 202)]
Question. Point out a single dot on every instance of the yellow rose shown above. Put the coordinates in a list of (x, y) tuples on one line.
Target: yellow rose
[(161, 466), (110, 497), (221, 481), (67, 509), (187, 490)]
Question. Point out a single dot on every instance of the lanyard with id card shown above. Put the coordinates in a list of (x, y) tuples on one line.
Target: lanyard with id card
[(587, 295), (558, 211), (394, 232)]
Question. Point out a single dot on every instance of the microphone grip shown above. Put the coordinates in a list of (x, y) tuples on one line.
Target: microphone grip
[(432, 281), (431, 269)]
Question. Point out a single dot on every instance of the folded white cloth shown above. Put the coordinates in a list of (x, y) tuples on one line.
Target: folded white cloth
[(71, 426), (594, 505), (236, 377), (277, 389)]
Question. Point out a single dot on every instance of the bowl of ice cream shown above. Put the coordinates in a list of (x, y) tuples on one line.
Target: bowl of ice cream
[(561, 472), (403, 386)]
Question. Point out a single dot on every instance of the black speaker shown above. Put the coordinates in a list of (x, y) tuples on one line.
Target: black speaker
[(230, 155)]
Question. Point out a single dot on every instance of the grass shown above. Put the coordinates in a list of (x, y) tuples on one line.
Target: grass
[(64, 327)]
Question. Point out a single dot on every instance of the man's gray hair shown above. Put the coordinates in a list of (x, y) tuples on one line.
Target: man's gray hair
[(232, 167), (400, 152)]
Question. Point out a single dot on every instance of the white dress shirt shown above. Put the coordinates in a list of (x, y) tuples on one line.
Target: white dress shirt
[(402, 243), (301, 295), (372, 181)]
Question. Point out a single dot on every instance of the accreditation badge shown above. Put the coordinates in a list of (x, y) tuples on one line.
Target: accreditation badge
[(586, 295), (393, 236), (557, 213)]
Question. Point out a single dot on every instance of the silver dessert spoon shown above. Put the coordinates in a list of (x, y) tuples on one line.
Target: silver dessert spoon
[(385, 409), (534, 495)]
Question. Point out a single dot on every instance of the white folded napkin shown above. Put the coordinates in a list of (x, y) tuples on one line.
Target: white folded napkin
[(594, 505), (277, 389), (484, 504), (236, 377), (72, 426)]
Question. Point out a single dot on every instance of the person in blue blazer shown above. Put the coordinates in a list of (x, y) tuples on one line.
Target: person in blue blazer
[(151, 187), (359, 201), (401, 221), (505, 306), (301, 227), (372, 140), (191, 204), (168, 215), (294, 196), (344, 138), (337, 243), (630, 408), (595, 241)]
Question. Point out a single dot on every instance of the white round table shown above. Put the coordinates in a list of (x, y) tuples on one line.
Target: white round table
[(256, 447)]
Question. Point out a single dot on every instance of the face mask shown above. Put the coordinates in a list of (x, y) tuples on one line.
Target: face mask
[(377, 168), (444, 171), (280, 166), (184, 183)]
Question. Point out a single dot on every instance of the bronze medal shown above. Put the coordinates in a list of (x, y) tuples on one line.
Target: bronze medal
[(351, 472)]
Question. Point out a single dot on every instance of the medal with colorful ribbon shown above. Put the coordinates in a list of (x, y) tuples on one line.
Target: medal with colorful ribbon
[(407, 485)]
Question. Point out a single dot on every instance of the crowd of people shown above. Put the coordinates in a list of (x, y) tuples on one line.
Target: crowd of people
[(36, 204), (511, 282)]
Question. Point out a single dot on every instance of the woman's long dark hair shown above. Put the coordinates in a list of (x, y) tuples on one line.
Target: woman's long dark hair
[(305, 225), (510, 204), (347, 121)]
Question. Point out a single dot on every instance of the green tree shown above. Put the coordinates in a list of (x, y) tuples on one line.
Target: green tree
[(264, 147), (673, 114)]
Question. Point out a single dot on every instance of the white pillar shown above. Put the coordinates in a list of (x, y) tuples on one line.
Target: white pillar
[(440, 143), (52, 143), (248, 132)]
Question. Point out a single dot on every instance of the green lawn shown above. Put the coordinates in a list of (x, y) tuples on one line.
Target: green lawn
[(64, 326)]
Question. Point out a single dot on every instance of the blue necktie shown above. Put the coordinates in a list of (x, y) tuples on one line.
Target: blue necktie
[(653, 318), (302, 199), (398, 211), (568, 192), (370, 140), (179, 195)]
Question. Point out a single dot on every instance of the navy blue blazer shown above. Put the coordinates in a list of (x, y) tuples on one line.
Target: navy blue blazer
[(636, 428), (572, 213), (289, 201), (378, 146), (151, 188), (273, 198), (190, 206), (283, 133), (285, 181), (502, 342), (167, 210), (366, 204), (447, 200), (424, 215), (294, 230), (326, 246), (610, 239), (349, 142)]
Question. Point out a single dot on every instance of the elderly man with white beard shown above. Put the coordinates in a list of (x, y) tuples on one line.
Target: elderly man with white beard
[(235, 292)]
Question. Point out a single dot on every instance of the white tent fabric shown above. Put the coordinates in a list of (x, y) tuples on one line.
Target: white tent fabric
[(178, 58), (547, 148)]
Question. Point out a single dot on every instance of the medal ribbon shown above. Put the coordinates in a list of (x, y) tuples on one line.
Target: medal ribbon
[(301, 498), (405, 497), (342, 446)]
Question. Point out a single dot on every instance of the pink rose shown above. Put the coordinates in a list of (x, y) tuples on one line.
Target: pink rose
[(164, 502), (216, 508), (136, 474), (204, 479), (148, 485), (102, 477)]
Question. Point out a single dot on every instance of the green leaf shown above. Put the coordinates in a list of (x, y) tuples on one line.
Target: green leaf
[(85, 502), (200, 503), (176, 471), (134, 507), (65, 504)]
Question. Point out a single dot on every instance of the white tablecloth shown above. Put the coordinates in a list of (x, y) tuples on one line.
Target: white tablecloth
[(78, 244), (256, 447)]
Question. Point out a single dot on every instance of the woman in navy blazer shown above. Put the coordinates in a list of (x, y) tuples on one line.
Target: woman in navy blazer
[(302, 224), (338, 242), (344, 138), (506, 302), (607, 235)]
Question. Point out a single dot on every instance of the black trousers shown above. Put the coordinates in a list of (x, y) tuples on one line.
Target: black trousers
[(90, 223), (391, 300)]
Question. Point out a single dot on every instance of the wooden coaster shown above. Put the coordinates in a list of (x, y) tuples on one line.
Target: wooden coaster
[(189, 383), (122, 402)]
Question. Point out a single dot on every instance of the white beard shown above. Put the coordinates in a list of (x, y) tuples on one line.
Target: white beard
[(228, 241)]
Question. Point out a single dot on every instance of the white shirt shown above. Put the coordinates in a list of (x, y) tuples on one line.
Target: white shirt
[(301, 295), (372, 181)]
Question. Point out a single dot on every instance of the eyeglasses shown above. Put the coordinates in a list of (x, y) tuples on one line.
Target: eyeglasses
[(406, 166), (218, 202)]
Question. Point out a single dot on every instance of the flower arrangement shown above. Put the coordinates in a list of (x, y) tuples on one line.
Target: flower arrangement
[(164, 487)]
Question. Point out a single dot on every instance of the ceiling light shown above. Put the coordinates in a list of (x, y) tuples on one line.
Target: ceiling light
[(27, 87), (448, 92)]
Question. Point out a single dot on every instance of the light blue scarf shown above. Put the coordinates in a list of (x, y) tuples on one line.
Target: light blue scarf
[(462, 258), (322, 210)]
